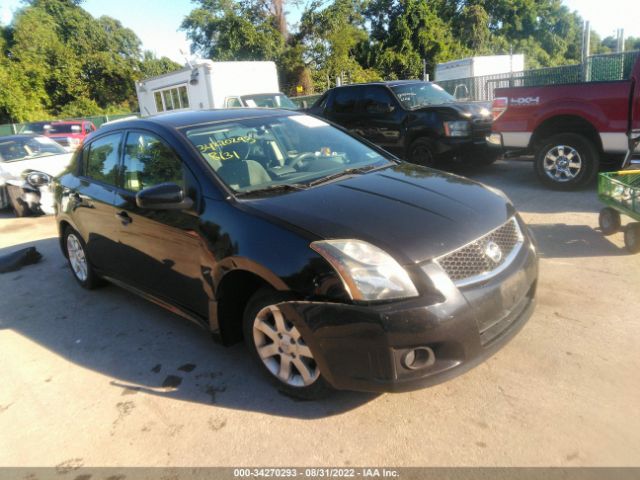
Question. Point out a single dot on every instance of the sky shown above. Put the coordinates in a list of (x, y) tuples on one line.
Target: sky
[(156, 22)]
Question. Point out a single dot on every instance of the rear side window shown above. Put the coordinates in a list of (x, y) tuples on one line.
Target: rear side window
[(344, 100), (102, 160), (148, 161)]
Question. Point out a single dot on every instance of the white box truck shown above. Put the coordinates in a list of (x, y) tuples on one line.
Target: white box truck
[(479, 66), (205, 84)]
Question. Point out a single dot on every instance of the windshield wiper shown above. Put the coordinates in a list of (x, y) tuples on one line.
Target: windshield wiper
[(344, 173), (284, 187)]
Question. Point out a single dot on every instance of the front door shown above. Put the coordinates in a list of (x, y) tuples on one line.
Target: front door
[(381, 119), (160, 250)]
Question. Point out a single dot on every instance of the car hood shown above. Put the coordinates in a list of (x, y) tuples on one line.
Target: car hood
[(413, 212), (52, 165), (474, 110)]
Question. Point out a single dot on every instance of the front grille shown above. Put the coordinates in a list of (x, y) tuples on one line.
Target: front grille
[(471, 263)]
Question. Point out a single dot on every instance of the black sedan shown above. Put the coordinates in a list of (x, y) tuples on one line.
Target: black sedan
[(339, 265)]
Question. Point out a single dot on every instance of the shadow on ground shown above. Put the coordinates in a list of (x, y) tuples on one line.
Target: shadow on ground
[(518, 180), (142, 348), (571, 241)]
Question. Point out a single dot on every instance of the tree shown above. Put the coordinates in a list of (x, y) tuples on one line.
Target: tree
[(60, 61), (227, 30)]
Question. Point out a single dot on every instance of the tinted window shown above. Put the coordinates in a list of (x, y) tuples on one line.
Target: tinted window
[(376, 100), (148, 161), (102, 161), (344, 100)]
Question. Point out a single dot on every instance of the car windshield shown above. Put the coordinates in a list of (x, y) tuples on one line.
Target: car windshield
[(20, 148), (421, 94), (273, 153), (269, 100), (37, 127), (64, 128)]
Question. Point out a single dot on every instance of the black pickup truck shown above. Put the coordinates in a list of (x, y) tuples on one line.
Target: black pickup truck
[(415, 120)]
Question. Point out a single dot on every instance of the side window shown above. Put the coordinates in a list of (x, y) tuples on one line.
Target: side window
[(376, 100), (158, 98), (233, 102), (148, 161), (102, 160), (344, 100)]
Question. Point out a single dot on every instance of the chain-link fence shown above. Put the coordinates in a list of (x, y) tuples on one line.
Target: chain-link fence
[(597, 68)]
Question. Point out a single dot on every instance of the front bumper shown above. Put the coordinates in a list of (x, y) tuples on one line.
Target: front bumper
[(362, 347), (37, 200), (467, 149)]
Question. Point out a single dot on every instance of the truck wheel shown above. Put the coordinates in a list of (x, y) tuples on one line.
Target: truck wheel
[(420, 153), (566, 161), (632, 237), (279, 348), (609, 221)]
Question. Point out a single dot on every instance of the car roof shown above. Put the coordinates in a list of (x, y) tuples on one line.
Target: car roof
[(388, 83), (187, 118), (67, 122)]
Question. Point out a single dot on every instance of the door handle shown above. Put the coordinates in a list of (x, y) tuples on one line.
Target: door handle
[(124, 218)]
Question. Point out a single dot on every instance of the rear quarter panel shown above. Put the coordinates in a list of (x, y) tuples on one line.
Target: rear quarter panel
[(603, 104)]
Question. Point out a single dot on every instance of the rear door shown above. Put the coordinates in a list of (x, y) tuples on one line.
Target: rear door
[(160, 250), (93, 199), (341, 107)]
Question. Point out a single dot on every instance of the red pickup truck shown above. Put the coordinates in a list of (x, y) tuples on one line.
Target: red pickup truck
[(571, 129)]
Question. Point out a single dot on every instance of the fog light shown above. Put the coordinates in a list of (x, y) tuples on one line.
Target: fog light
[(417, 358)]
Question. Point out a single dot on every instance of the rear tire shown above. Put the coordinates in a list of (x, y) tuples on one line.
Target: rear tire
[(609, 221), (278, 347), (76, 252), (566, 161), (632, 237)]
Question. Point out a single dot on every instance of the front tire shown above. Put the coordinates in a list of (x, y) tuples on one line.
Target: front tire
[(566, 161), (279, 348), (76, 251), (421, 153)]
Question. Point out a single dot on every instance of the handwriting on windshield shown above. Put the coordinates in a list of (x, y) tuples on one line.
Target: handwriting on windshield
[(214, 146)]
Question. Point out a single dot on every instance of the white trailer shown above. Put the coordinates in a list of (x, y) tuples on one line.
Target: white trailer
[(479, 66), (206, 84)]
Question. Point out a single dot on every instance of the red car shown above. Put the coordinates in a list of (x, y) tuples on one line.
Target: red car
[(70, 133), (570, 129)]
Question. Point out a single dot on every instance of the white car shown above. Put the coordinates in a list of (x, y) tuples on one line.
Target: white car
[(28, 163)]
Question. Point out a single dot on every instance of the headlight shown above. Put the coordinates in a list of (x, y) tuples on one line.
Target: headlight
[(458, 128), (367, 272), (37, 179)]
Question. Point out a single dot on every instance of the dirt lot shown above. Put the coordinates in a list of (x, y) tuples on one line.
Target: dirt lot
[(83, 372)]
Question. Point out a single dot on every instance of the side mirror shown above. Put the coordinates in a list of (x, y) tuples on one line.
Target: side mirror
[(165, 196)]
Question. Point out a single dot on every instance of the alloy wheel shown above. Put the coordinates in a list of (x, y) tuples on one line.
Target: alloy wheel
[(562, 163), (77, 258), (282, 349)]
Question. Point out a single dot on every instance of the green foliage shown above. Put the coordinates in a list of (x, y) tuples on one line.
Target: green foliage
[(59, 61)]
